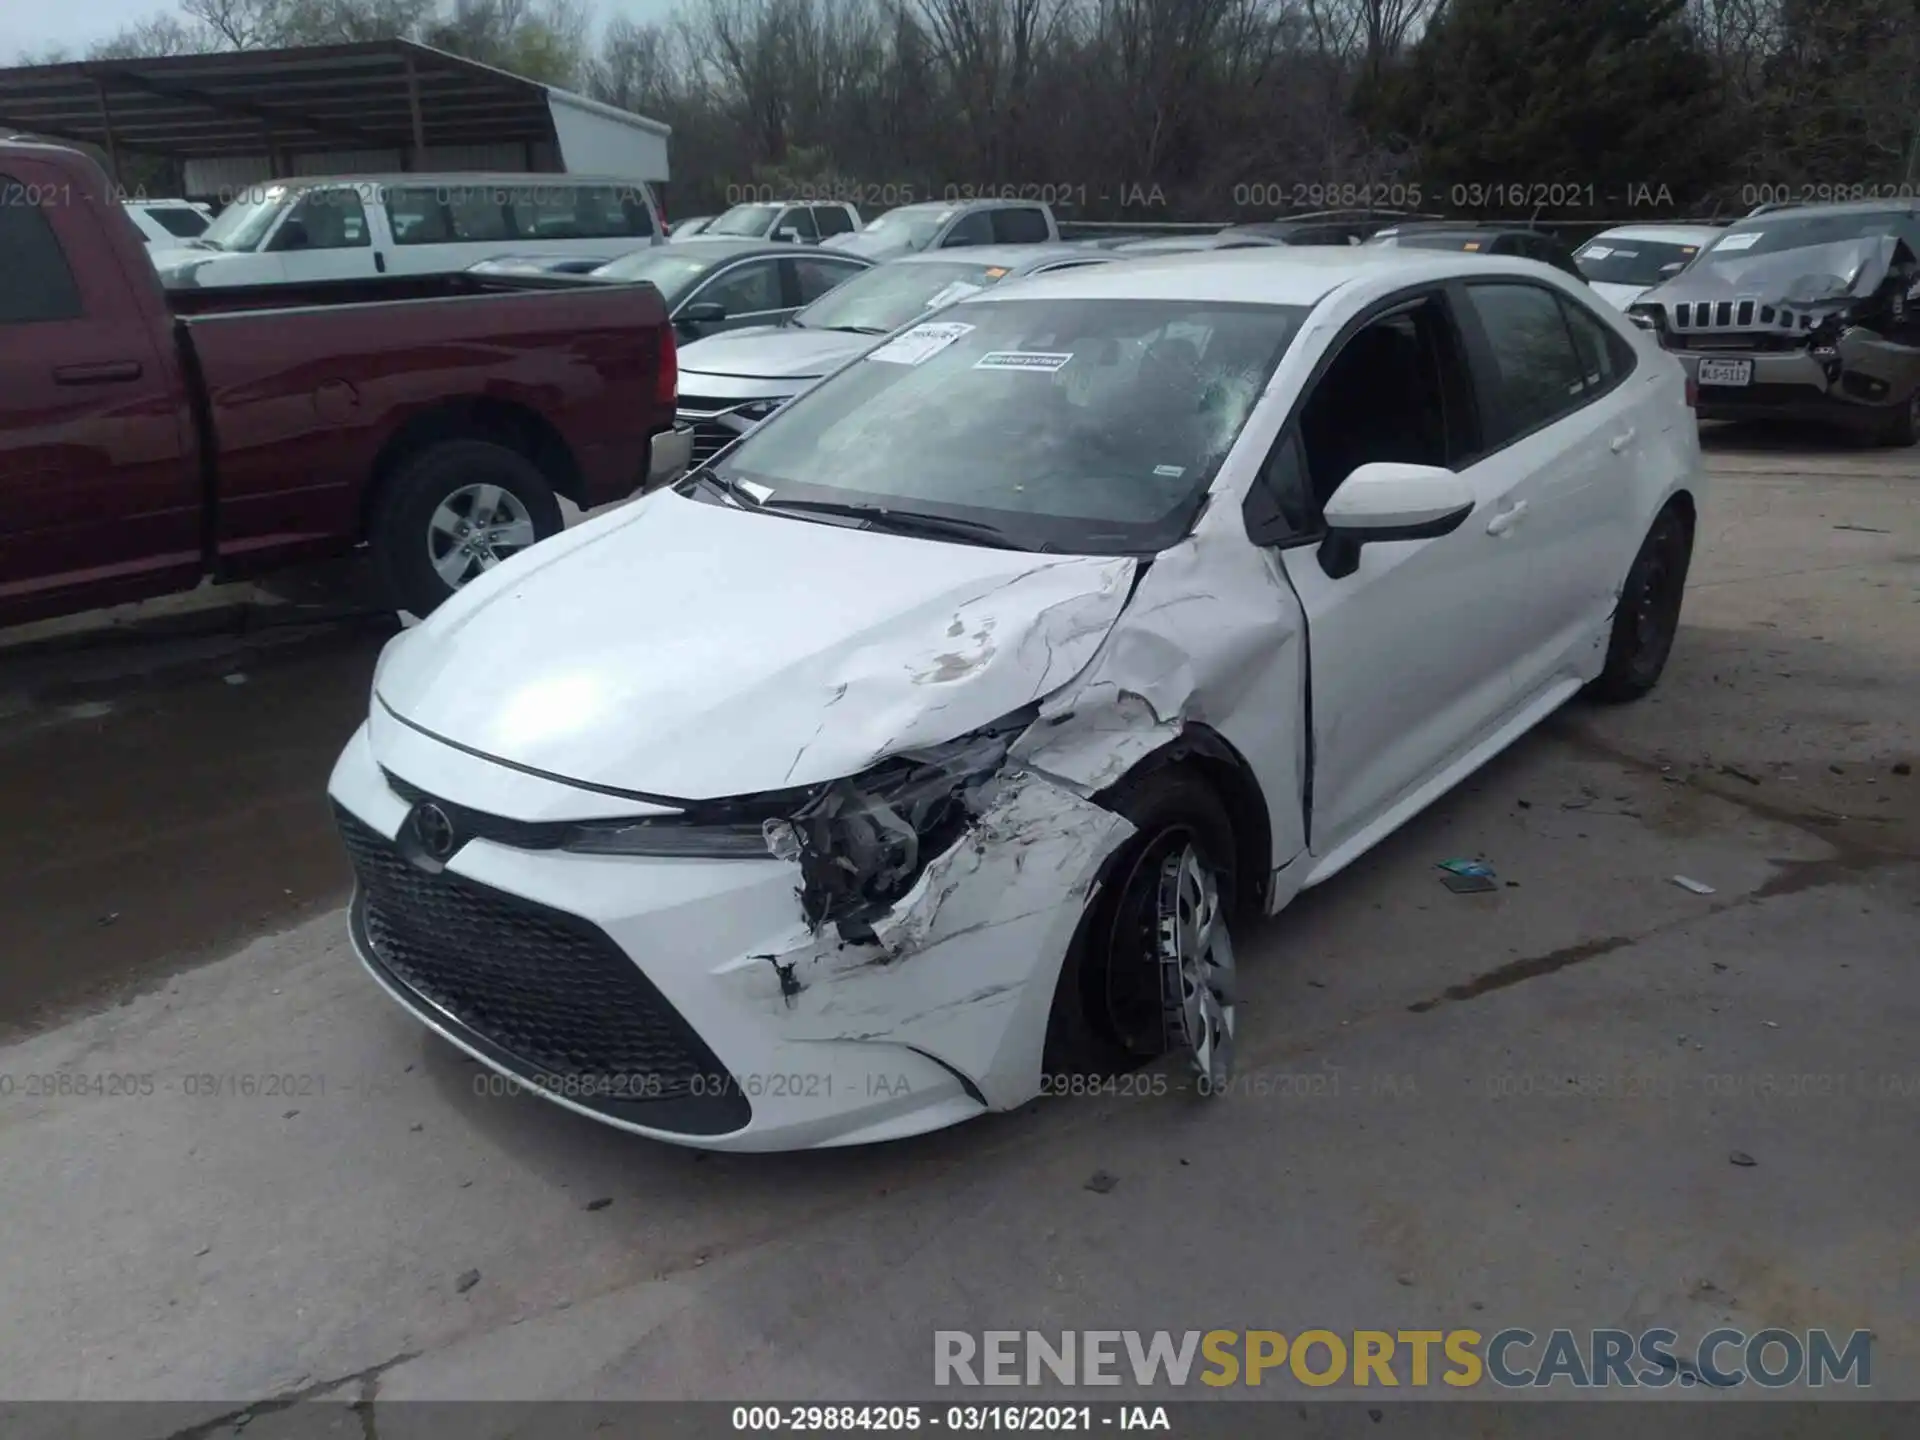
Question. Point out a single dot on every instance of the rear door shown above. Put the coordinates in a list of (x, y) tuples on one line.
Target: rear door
[(1559, 413), (99, 498)]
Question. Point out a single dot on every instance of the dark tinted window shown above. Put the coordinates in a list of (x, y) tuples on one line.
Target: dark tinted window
[(1020, 225), (975, 228), (1385, 397), (478, 212), (817, 275), (833, 219), (35, 283), (1537, 374), (178, 220)]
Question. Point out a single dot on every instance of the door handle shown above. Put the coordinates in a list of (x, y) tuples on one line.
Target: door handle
[(380, 261), (1623, 439), (1506, 519), (101, 372)]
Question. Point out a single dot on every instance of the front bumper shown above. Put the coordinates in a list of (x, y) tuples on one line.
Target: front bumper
[(685, 1000), (1854, 386)]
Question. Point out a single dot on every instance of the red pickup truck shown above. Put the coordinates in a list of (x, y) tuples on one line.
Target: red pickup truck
[(150, 439)]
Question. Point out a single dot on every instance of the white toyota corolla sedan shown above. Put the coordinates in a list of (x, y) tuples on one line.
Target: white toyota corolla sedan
[(925, 745)]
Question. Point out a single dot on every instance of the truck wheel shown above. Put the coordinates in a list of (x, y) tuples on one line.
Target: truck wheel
[(453, 511), (1647, 615), (1151, 969)]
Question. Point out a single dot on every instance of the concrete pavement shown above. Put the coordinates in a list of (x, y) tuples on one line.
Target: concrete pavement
[(1515, 1108)]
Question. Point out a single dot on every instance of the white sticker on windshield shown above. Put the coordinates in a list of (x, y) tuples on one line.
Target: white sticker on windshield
[(919, 344), (1596, 252), (1045, 361), (1170, 472), (1742, 241), (947, 294)]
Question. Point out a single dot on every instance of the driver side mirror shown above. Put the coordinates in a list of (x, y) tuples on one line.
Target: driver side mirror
[(1385, 501), (690, 320), (787, 234)]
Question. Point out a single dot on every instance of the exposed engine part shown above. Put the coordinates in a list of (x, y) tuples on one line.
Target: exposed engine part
[(862, 842)]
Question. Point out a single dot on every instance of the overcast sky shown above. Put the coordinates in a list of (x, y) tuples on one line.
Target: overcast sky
[(78, 23)]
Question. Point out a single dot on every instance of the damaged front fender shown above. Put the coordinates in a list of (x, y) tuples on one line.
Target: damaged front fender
[(962, 965)]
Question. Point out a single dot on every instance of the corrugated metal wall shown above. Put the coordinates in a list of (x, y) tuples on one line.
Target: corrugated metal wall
[(224, 178)]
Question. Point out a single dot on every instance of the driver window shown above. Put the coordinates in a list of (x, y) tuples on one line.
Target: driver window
[(324, 220), (745, 290), (974, 229), (1384, 398)]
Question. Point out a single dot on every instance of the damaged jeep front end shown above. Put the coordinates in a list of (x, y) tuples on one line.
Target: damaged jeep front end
[(1821, 332)]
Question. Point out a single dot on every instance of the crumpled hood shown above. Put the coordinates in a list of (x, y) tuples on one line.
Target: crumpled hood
[(1617, 295), (1807, 275), (771, 352), (693, 651)]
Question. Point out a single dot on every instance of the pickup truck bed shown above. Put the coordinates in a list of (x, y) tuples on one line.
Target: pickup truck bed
[(150, 438)]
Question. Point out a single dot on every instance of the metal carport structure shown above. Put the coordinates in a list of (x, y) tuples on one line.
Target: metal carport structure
[(243, 116)]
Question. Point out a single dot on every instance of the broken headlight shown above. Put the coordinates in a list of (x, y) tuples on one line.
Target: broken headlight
[(863, 841), (671, 837)]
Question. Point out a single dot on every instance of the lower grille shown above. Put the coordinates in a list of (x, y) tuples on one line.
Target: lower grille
[(544, 994)]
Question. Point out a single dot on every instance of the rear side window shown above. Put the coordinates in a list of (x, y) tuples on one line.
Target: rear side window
[(416, 216), (36, 283), (1538, 376), (1020, 225), (478, 212), (833, 220), (581, 212), (1604, 356)]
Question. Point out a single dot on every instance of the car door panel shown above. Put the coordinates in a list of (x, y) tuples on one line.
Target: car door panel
[(1408, 658), (1565, 424), (99, 495)]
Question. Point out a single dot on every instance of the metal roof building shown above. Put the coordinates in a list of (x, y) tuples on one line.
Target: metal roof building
[(240, 117)]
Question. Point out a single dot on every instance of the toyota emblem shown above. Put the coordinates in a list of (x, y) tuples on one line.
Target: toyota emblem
[(434, 830)]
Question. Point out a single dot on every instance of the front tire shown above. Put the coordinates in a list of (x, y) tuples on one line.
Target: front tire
[(1152, 966), (1647, 616), (454, 511), (1902, 427)]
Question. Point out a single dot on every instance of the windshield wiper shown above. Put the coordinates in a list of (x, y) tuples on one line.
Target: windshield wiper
[(733, 490), (853, 329), (907, 522)]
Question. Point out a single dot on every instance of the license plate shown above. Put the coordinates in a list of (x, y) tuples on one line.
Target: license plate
[(1726, 372)]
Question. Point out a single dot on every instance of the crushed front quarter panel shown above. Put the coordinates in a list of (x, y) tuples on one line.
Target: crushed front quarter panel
[(963, 966)]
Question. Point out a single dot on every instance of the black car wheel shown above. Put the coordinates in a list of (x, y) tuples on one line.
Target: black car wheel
[(1647, 616)]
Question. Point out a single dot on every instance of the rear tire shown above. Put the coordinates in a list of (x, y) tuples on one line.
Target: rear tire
[(1647, 616), (453, 511), (1111, 1011)]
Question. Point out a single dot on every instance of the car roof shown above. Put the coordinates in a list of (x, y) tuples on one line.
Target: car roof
[(725, 247), (1892, 206), (1266, 274), (1218, 240), (451, 179), (1675, 233), (1014, 257)]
